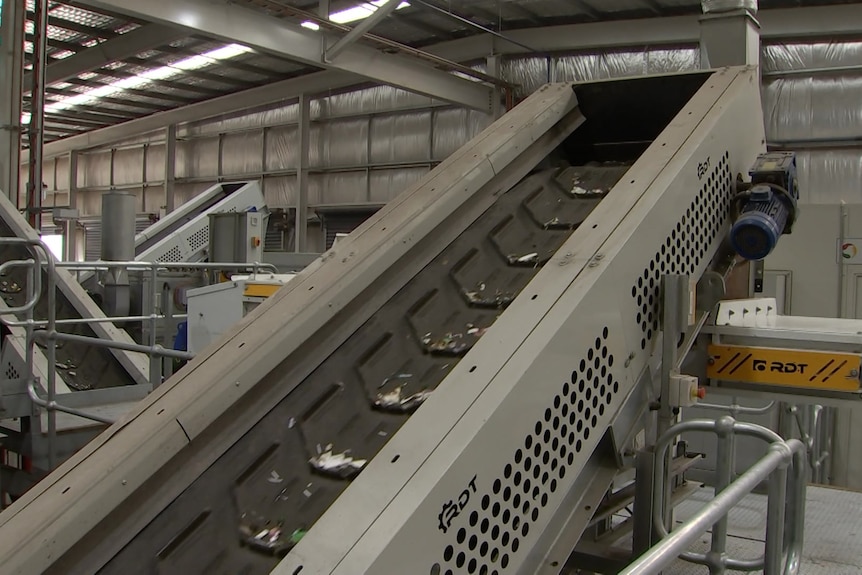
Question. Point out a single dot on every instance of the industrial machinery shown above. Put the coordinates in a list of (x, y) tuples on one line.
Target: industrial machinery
[(109, 380), (766, 206), (455, 386), (106, 380), (183, 235), (215, 309)]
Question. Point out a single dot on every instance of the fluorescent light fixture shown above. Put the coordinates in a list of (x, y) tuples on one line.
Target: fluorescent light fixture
[(61, 54), (164, 72), (358, 12)]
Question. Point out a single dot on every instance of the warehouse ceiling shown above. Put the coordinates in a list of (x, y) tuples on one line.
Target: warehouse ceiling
[(106, 68)]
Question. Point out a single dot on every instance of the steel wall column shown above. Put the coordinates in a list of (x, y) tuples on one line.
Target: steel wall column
[(170, 167), (37, 117), (11, 71), (495, 68), (303, 142), (71, 243)]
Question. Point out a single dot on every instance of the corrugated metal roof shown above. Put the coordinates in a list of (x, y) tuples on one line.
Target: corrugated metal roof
[(73, 29)]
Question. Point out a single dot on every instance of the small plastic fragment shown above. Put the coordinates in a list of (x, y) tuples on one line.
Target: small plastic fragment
[(531, 258)]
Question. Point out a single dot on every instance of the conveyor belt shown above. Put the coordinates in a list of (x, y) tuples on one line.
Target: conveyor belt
[(250, 507), (80, 367)]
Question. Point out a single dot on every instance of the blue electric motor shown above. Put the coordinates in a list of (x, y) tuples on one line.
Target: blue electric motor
[(766, 208)]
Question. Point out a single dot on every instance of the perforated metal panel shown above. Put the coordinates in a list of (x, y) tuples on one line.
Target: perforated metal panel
[(686, 245), (520, 494), (199, 239), (173, 255)]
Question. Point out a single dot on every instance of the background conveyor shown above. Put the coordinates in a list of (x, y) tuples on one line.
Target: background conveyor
[(262, 443)]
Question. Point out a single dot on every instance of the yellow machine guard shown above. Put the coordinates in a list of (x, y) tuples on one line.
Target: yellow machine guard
[(785, 367), (260, 290)]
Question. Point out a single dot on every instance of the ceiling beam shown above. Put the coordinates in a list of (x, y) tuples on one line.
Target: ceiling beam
[(360, 30), (283, 91), (586, 8), (124, 46), (824, 22), (233, 23)]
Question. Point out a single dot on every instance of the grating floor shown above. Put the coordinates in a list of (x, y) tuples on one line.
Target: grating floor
[(833, 527)]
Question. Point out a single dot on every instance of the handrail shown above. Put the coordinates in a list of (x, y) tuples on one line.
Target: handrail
[(31, 303), (663, 554), (728, 494), (100, 265), (53, 405), (49, 335), (92, 320), (737, 409), (34, 294)]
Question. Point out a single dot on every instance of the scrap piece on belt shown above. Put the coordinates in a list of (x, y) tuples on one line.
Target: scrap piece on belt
[(498, 298), (339, 465), (397, 401), (270, 538)]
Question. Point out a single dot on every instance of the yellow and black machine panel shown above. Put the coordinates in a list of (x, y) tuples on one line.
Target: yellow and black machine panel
[(825, 370)]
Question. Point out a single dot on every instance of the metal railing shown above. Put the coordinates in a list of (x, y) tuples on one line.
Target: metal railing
[(153, 350), (783, 550), (49, 336)]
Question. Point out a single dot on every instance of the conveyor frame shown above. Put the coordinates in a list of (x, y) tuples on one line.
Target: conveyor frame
[(668, 215), (82, 515)]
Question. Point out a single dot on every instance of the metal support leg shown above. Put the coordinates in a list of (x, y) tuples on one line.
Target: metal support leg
[(724, 467), (773, 557), (155, 360), (643, 536), (302, 174), (675, 298), (11, 69)]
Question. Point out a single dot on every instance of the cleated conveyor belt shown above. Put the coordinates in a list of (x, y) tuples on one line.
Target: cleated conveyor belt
[(285, 434), (264, 492)]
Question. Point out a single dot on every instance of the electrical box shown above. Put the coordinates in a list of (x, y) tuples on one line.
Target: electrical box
[(684, 391), (213, 310), (236, 237)]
